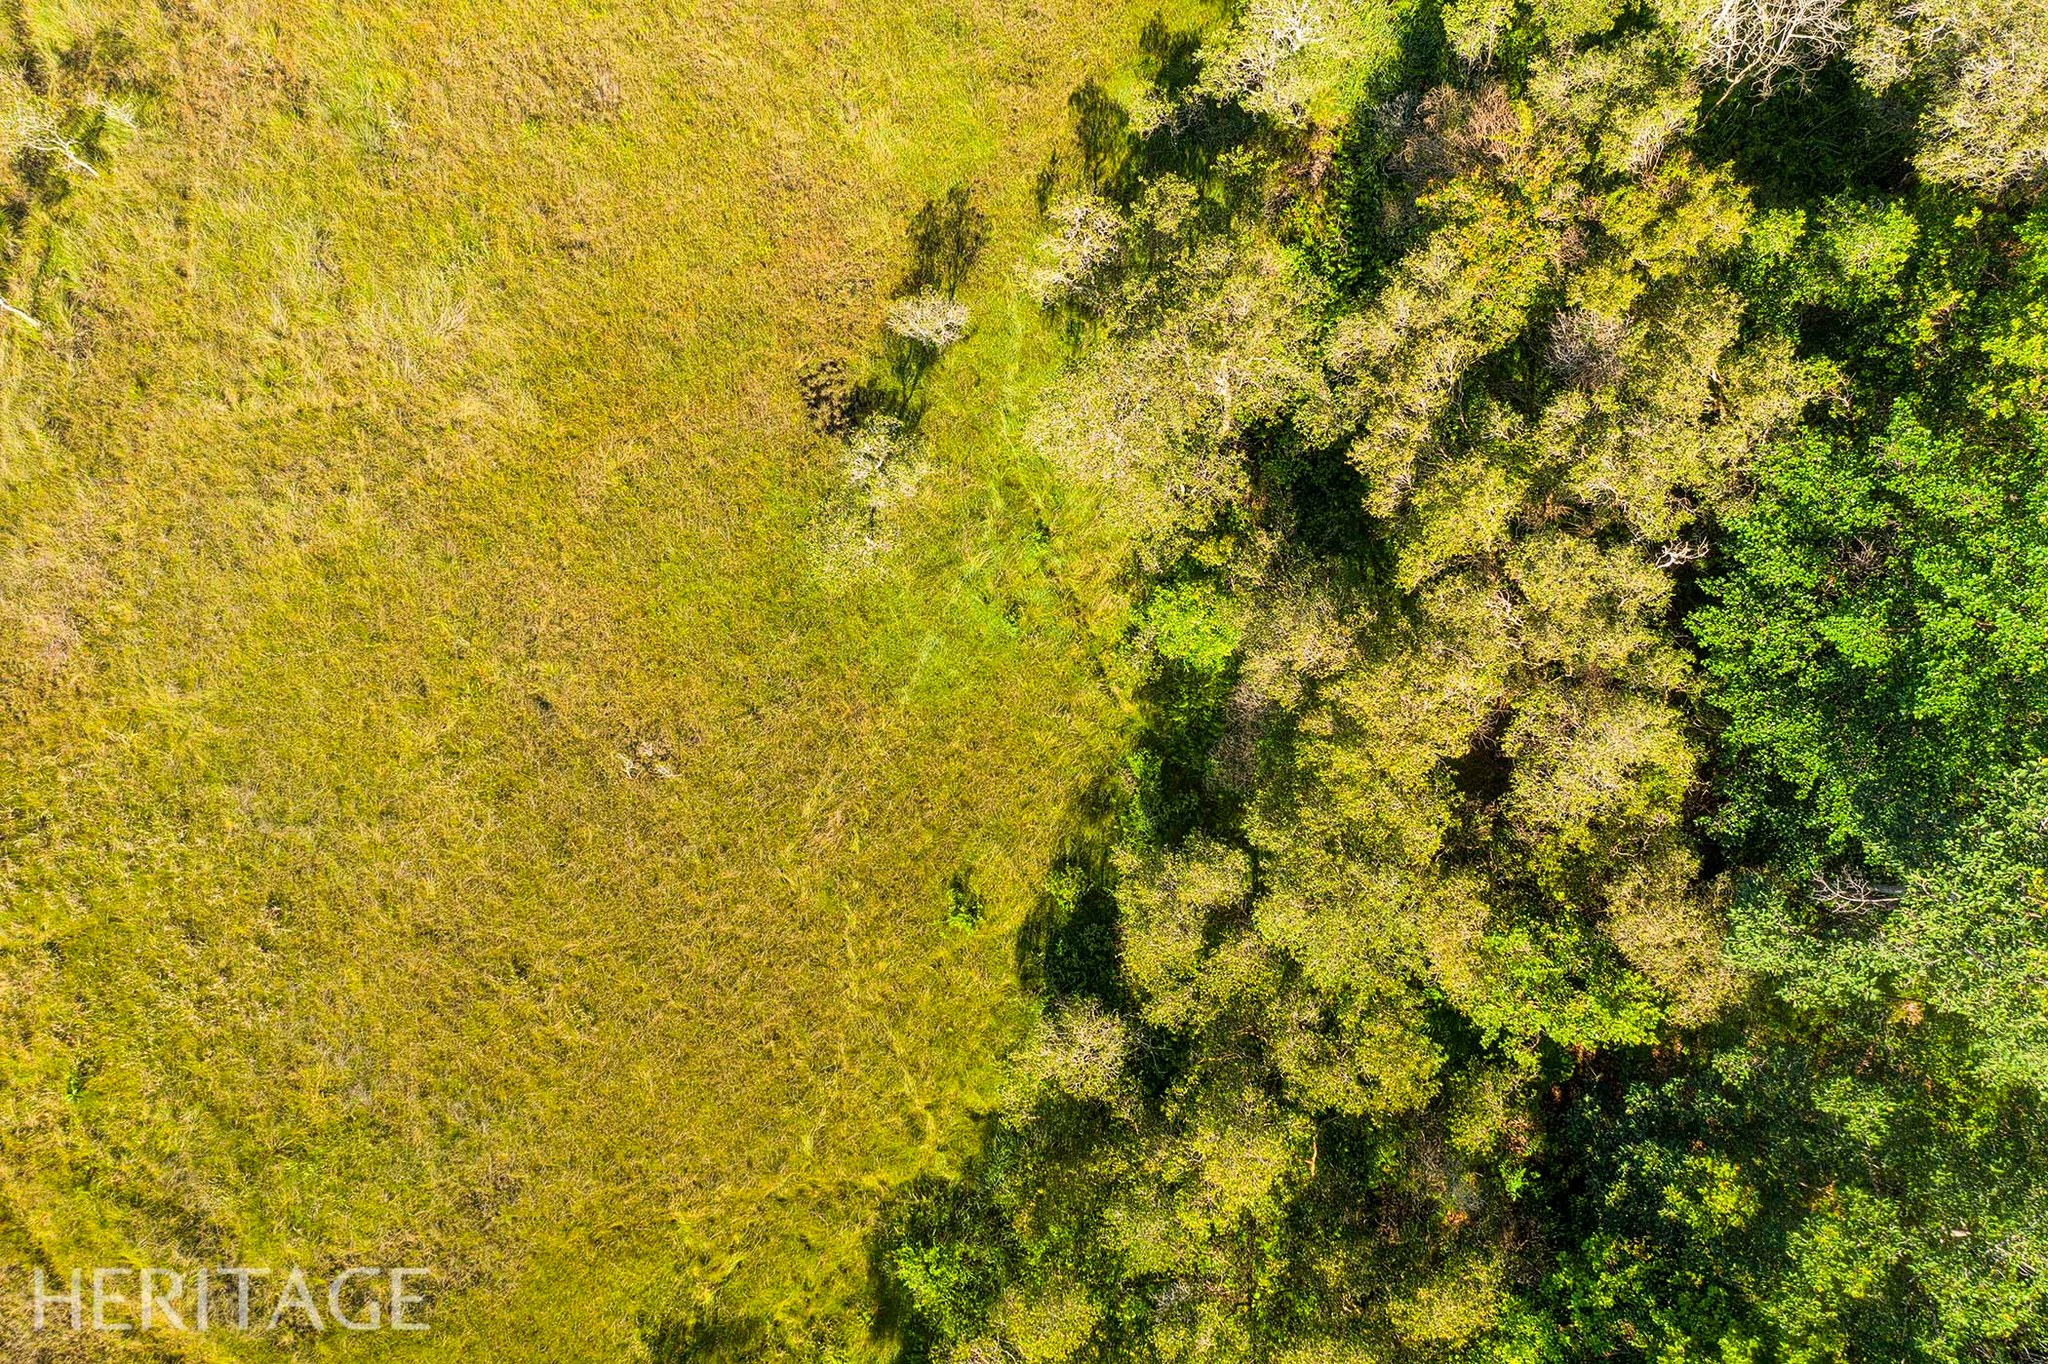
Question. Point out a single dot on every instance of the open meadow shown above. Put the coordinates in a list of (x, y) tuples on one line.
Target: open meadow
[(450, 812)]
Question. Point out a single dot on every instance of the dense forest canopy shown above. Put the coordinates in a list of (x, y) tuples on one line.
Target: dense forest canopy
[(1580, 890)]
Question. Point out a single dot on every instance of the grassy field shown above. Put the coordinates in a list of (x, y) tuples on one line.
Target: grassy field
[(446, 816)]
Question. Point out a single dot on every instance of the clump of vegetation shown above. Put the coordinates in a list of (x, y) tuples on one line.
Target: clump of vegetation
[(931, 320), (884, 465), (965, 908), (1578, 888), (883, 456), (831, 399), (60, 122)]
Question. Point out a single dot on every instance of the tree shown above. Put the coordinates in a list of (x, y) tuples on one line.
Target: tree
[(1421, 1033), (1761, 42), (930, 320), (1876, 632), (1984, 67)]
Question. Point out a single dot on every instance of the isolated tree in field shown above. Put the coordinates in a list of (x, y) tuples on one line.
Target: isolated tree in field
[(931, 320), (884, 466), (884, 462), (921, 328)]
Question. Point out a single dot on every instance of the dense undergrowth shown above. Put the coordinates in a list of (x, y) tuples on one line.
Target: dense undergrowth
[(1581, 891)]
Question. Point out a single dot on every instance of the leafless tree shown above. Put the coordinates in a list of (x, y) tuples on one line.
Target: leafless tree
[(1761, 42), (1585, 346), (928, 319), (1681, 552), (1851, 894)]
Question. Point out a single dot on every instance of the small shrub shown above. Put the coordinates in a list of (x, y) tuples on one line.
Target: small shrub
[(828, 396), (965, 908)]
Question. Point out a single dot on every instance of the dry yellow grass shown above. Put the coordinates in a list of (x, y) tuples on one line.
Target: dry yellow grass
[(445, 818)]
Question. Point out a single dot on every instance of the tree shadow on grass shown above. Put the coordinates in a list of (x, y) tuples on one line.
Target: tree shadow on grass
[(707, 1336), (1067, 947), (947, 237)]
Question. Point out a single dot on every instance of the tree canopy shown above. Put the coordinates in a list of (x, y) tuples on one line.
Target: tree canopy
[(1579, 890)]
